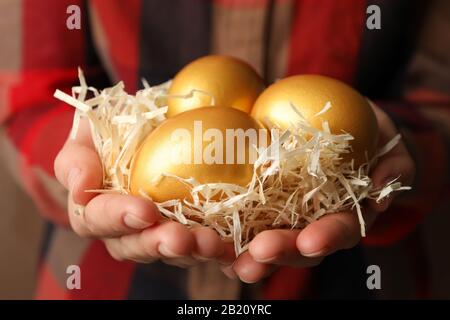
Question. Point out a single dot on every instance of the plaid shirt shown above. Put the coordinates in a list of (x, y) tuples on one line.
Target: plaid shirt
[(405, 67)]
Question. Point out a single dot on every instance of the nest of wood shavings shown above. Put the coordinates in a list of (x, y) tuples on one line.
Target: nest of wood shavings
[(299, 178)]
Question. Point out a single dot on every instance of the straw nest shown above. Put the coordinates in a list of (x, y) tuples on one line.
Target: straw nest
[(299, 178)]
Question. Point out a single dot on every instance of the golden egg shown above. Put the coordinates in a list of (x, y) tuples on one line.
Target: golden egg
[(210, 144), (221, 81), (350, 112)]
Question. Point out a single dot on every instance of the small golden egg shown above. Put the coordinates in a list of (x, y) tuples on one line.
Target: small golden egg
[(350, 112), (221, 81), (210, 144)]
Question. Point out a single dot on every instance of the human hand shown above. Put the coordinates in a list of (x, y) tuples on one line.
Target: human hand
[(131, 227), (333, 232)]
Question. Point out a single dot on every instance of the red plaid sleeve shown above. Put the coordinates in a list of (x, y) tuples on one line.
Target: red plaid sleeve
[(39, 54)]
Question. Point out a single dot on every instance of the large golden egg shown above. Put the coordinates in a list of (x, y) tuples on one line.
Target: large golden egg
[(209, 144), (229, 81), (350, 112)]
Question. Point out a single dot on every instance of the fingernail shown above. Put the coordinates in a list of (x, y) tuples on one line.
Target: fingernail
[(167, 252), (248, 281), (74, 173), (134, 222), (315, 254), (224, 263), (229, 272), (266, 260)]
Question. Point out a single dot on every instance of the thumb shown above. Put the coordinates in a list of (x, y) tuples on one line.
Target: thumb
[(78, 166)]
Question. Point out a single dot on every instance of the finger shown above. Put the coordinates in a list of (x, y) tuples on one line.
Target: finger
[(122, 252), (271, 245), (279, 247), (390, 167), (76, 217), (228, 271), (83, 136), (228, 256), (78, 167), (396, 163), (226, 260), (167, 240), (208, 244), (250, 271), (386, 126), (331, 233), (112, 215), (401, 164)]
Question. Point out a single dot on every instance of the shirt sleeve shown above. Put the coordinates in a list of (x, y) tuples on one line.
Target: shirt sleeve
[(41, 53)]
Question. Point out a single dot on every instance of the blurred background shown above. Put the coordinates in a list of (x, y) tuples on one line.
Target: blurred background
[(21, 229)]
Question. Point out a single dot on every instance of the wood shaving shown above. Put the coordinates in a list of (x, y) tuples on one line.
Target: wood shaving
[(297, 179)]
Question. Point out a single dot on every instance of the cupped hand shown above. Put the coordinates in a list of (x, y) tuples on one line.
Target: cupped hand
[(131, 227), (333, 232)]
